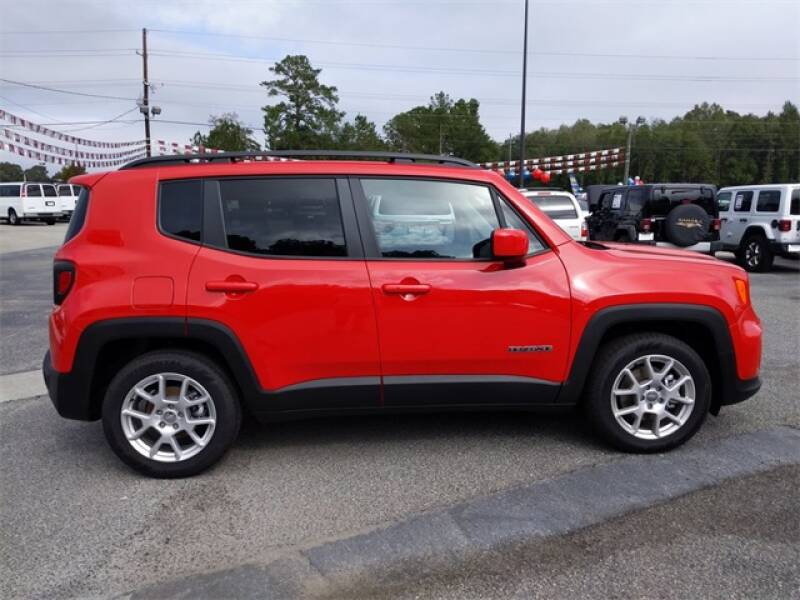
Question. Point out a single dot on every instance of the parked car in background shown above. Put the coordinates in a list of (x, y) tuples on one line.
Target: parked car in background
[(563, 208), (760, 222), (225, 286), (680, 215), (27, 201), (68, 195)]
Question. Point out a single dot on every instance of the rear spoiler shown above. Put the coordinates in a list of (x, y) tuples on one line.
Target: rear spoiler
[(89, 180)]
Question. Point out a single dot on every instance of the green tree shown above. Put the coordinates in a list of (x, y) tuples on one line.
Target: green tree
[(69, 171), (443, 126), (37, 173), (227, 133), (307, 116), (10, 172), (361, 134)]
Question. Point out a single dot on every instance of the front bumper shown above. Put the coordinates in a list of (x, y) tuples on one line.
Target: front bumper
[(67, 393)]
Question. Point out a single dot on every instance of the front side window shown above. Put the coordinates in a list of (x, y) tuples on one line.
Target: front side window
[(283, 217), (514, 221), (555, 206), (724, 201), (768, 201), (430, 219), (743, 201), (180, 209)]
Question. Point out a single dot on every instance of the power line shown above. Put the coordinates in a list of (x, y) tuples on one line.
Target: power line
[(49, 89)]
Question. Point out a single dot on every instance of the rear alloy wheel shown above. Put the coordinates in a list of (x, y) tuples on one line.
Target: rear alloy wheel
[(755, 255), (13, 218), (170, 414), (648, 392)]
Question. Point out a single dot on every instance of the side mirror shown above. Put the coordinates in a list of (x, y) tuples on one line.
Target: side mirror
[(510, 246)]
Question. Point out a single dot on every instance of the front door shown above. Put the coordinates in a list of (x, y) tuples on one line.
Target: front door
[(283, 269), (456, 327)]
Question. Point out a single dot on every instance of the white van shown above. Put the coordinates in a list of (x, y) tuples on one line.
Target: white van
[(26, 201), (563, 208), (68, 195), (760, 222)]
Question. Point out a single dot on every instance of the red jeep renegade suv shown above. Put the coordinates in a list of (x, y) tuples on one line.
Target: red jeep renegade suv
[(192, 289)]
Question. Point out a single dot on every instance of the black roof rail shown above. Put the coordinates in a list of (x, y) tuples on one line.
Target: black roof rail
[(392, 157)]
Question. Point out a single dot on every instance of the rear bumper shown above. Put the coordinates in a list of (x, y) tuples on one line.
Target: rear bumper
[(739, 390), (785, 249), (68, 392)]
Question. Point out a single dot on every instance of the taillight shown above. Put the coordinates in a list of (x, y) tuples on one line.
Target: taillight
[(584, 230), (645, 225), (715, 224), (784, 225), (63, 278), (24, 192)]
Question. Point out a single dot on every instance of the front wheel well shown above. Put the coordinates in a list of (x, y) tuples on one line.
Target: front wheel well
[(115, 354), (693, 333)]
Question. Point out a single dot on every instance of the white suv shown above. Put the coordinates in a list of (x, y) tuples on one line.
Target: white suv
[(759, 222), (563, 208)]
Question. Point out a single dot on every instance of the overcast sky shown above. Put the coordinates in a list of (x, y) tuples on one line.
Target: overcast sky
[(595, 59)]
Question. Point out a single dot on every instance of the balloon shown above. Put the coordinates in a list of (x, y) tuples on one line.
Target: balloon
[(630, 181), (537, 173), (545, 177), (526, 173)]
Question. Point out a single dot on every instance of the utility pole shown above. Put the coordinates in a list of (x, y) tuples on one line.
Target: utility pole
[(631, 129), (146, 93), (522, 118)]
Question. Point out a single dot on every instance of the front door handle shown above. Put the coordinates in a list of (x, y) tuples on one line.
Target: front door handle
[(404, 289), (231, 286)]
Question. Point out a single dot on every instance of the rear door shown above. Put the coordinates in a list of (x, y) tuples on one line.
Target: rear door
[(52, 204), (282, 267), (455, 326)]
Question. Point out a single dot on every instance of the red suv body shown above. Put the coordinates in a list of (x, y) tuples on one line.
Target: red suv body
[(290, 289)]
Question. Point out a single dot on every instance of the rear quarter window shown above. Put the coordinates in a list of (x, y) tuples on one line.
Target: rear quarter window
[(180, 209)]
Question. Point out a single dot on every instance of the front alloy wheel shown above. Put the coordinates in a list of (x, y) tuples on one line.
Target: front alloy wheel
[(647, 392), (653, 396)]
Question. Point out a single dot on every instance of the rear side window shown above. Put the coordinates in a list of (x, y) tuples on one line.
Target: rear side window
[(283, 217), (79, 216), (180, 209), (743, 201), (768, 201), (50, 191), (724, 200), (795, 210), (556, 207), (33, 190)]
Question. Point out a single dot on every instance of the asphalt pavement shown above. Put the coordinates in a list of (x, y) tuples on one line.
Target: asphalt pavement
[(75, 522)]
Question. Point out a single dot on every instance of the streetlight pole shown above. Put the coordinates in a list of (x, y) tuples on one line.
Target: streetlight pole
[(146, 93), (522, 118)]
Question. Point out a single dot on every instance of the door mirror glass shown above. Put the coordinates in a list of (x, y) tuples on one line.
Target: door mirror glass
[(510, 245)]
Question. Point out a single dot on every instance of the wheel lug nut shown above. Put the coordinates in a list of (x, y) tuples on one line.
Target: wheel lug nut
[(158, 412), (161, 424), (174, 425)]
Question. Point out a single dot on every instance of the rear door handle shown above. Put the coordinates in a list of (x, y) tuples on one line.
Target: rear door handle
[(403, 289), (231, 287)]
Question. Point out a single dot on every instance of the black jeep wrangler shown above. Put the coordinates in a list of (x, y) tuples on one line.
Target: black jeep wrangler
[(682, 214)]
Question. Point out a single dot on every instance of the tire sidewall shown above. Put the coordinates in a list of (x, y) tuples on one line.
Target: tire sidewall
[(765, 261), (601, 399), (683, 236), (13, 217), (204, 372)]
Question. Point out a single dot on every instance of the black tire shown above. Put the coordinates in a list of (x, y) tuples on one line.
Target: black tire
[(623, 237), (200, 369), (612, 359), (50, 221), (687, 224), (754, 254), (13, 218)]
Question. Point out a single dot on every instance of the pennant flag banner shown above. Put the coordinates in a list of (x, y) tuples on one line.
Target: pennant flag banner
[(555, 165), (64, 160), (64, 137), (165, 148), (80, 154)]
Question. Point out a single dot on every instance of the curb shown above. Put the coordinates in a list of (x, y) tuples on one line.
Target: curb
[(573, 501)]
